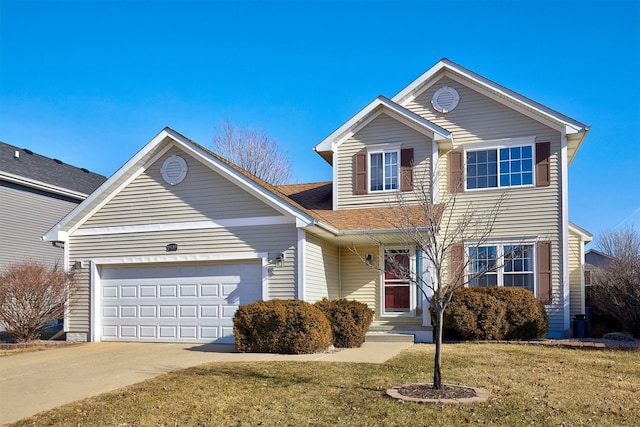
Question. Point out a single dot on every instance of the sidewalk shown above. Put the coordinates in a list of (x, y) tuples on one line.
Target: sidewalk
[(38, 381)]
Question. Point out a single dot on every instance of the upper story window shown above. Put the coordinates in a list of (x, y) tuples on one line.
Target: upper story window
[(500, 167), (384, 170), (383, 167)]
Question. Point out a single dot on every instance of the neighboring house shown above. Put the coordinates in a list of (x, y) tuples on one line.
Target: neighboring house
[(35, 193), (593, 261), (169, 246)]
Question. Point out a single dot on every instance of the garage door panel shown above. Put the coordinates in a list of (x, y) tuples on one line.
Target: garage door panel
[(139, 304)]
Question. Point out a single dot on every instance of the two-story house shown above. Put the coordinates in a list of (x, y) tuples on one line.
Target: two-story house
[(178, 237)]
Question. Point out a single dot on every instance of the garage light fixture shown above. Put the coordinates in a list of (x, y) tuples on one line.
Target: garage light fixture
[(280, 259)]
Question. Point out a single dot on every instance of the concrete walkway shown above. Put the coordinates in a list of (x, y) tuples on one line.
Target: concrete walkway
[(38, 381)]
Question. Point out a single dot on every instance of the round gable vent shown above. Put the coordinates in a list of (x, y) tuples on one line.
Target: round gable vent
[(445, 99), (174, 170)]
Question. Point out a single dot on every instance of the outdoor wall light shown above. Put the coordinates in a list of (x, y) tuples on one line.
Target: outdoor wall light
[(369, 258), (280, 259)]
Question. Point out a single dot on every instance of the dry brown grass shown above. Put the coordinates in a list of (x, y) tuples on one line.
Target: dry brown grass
[(529, 385)]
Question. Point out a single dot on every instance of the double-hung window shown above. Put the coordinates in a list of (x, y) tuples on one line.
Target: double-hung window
[(384, 170), (505, 265), (500, 167)]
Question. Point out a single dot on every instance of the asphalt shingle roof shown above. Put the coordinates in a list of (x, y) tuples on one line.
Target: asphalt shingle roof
[(54, 172)]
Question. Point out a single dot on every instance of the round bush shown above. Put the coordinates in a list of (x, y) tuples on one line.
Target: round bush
[(281, 326), (350, 321), (494, 313), (474, 315), (525, 316)]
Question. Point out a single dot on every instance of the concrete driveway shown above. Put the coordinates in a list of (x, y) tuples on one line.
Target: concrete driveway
[(38, 381)]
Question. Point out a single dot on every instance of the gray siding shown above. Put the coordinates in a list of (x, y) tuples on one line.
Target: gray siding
[(203, 195), (322, 269), (25, 216), (272, 240), (382, 130)]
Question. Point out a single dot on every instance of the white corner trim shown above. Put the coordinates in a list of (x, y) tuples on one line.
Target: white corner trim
[(334, 186), (564, 188), (190, 225), (301, 259), (95, 290), (435, 172)]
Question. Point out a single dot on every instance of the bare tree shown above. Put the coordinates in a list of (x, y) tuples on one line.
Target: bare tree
[(442, 230), (31, 294), (615, 288), (254, 151)]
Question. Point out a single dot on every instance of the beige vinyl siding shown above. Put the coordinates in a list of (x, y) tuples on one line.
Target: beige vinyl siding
[(203, 195), (26, 215), (359, 281), (79, 311), (321, 269), (477, 117), (382, 130), (533, 212), (273, 240), (576, 283)]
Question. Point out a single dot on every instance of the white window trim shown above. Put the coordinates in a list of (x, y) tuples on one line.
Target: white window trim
[(500, 244), (497, 144), (382, 149), (413, 294), (521, 142)]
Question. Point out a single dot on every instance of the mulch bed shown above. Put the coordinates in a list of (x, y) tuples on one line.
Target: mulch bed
[(426, 391)]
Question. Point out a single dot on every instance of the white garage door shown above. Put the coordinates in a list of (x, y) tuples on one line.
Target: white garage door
[(176, 303)]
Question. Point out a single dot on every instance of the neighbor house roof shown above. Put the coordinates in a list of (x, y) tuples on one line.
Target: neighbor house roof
[(24, 167)]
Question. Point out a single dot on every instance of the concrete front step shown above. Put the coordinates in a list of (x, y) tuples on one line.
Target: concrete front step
[(388, 337)]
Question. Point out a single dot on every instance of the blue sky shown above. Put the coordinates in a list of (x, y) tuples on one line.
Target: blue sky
[(90, 83)]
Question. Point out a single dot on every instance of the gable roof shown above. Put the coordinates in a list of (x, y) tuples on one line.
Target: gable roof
[(328, 145), (149, 153), (24, 167), (412, 89)]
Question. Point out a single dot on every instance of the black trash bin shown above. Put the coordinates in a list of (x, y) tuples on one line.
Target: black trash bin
[(579, 326)]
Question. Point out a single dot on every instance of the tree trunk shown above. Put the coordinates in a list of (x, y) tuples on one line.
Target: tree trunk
[(437, 362)]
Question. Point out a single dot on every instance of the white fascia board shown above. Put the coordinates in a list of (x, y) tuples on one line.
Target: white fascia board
[(245, 183), (133, 169), (364, 116), (406, 94), (99, 193), (42, 186), (584, 235)]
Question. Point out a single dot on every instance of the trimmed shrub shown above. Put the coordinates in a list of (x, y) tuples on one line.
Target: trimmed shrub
[(473, 315), (350, 321), (526, 316), (281, 326), (494, 313)]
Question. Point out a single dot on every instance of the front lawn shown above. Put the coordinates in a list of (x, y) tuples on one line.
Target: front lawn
[(529, 385)]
